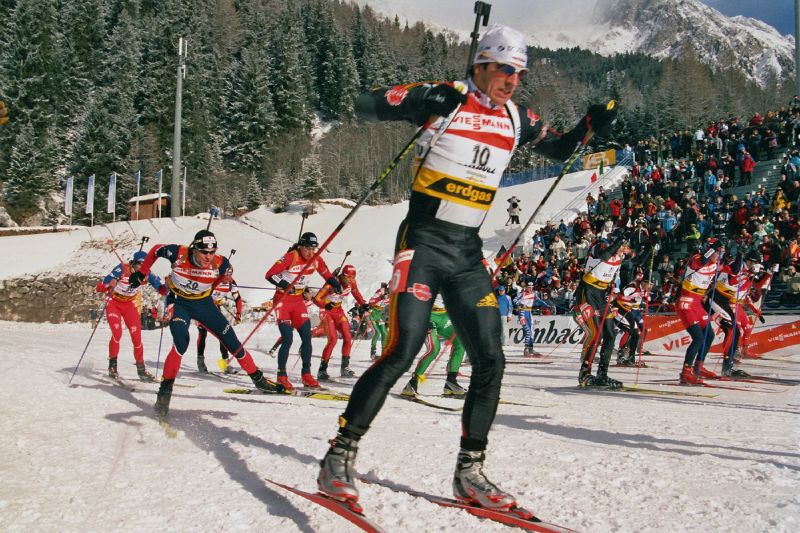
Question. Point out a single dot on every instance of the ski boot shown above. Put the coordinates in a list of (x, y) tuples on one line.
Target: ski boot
[(373, 353), (688, 376), (112, 368), (732, 372), (528, 351), (322, 373), (201, 364), (335, 478), (144, 375), (703, 372), (163, 396), (471, 486), (345, 370), (228, 368), (624, 357), (602, 380), (283, 380), (585, 378), (411, 387), (452, 388), (225, 367), (265, 385), (309, 381)]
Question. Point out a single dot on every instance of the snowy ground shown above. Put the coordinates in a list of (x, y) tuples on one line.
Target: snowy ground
[(91, 457)]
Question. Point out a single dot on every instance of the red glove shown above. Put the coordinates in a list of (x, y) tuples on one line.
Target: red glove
[(162, 290)]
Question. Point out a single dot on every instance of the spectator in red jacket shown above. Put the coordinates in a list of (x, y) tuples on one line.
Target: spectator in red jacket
[(748, 164), (616, 209)]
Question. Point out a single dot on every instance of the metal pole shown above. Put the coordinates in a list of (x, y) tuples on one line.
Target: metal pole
[(183, 198), (138, 186), (175, 186)]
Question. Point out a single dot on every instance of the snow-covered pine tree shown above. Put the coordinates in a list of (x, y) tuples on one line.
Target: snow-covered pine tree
[(254, 197), (30, 176), (289, 91), (30, 73), (278, 191), (431, 61), (249, 122), (346, 79), (160, 26), (312, 186), (83, 35)]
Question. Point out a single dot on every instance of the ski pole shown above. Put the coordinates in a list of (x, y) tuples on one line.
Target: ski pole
[(381, 177), (482, 10), (339, 268), (602, 320), (646, 312), (372, 188), (735, 326), (99, 319), (161, 335), (567, 165), (110, 242), (144, 240), (701, 355), (304, 215)]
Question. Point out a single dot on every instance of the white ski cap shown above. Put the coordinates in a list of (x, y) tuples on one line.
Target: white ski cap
[(501, 44)]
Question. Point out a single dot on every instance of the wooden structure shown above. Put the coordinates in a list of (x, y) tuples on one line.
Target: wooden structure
[(148, 206)]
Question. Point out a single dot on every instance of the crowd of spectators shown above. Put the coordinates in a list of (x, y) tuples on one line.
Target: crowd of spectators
[(682, 189)]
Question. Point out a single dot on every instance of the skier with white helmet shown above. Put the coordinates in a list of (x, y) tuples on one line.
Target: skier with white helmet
[(470, 131)]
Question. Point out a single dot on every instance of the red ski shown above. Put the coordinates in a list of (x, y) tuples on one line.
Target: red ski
[(341, 508), (517, 517)]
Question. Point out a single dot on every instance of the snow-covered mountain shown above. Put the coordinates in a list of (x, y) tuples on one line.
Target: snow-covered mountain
[(662, 28)]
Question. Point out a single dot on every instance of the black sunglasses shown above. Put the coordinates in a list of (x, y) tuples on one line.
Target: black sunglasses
[(207, 252)]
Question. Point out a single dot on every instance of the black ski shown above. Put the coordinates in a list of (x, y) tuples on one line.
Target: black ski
[(420, 400)]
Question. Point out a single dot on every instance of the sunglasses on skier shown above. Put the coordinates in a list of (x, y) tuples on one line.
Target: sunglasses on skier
[(510, 70), (207, 252)]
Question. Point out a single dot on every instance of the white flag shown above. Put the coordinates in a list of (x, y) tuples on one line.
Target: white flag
[(112, 193), (90, 196), (68, 197)]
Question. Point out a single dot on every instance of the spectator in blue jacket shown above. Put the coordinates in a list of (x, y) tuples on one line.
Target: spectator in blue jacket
[(506, 308)]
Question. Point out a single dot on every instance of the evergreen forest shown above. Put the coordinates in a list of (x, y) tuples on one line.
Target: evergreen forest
[(267, 98)]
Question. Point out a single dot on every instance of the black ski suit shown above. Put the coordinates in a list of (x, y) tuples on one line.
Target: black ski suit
[(591, 301), (438, 248)]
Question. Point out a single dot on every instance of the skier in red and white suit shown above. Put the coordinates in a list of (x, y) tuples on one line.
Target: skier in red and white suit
[(122, 307), (196, 270), (701, 270), (732, 290), (336, 320), (291, 308)]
